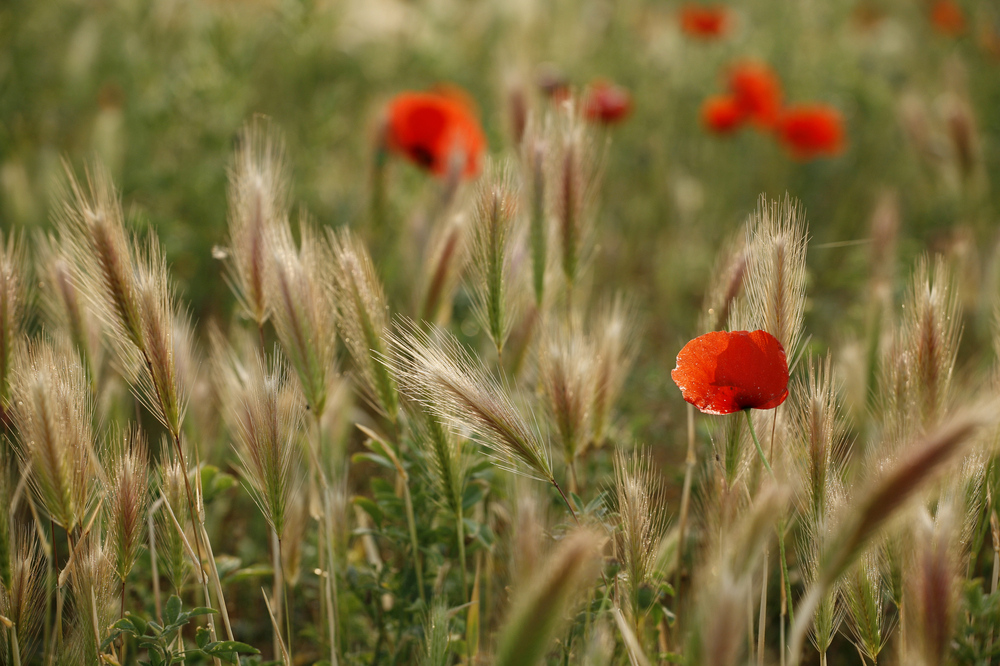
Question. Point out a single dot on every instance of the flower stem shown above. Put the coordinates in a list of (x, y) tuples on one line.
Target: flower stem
[(756, 442)]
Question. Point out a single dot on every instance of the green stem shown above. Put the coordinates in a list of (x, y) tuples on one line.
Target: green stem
[(756, 442), (461, 555), (784, 572), (284, 595), (412, 524)]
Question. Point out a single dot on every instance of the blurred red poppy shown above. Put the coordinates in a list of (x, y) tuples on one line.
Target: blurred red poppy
[(721, 114), (812, 130), (722, 373), (757, 92), (705, 21), (432, 128), (947, 18), (606, 102)]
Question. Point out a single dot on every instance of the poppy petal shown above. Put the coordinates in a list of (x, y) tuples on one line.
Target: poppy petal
[(722, 373)]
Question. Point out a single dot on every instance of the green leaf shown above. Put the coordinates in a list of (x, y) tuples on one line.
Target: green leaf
[(220, 647), (381, 461), (138, 622), (201, 610), (172, 610), (252, 571), (474, 493), (202, 636), (371, 508)]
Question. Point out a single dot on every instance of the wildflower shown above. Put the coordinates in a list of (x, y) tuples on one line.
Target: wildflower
[(947, 18), (722, 373), (812, 130), (757, 92), (721, 114), (705, 21), (606, 102), (432, 128)]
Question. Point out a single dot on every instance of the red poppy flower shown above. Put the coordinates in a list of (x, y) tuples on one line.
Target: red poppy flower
[(812, 130), (607, 103), (948, 18), (705, 21), (721, 114), (432, 128), (722, 373), (757, 92)]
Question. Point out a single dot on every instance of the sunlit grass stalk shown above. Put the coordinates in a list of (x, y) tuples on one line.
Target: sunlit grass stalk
[(538, 613), (534, 167), (448, 466), (126, 502), (363, 319), (134, 296), (638, 499), (257, 195), (881, 501), (490, 252)]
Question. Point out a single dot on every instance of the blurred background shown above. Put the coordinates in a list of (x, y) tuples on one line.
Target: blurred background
[(159, 89)]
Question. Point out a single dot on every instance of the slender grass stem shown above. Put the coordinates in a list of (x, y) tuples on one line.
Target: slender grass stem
[(786, 590), (284, 596), (460, 530), (756, 442), (155, 571), (762, 620), (276, 579), (689, 464), (414, 544)]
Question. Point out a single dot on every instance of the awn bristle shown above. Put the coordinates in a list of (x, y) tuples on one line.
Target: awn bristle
[(92, 583), (448, 458), (7, 466), (568, 379), (865, 591), (153, 372), (816, 538), (641, 510), (297, 523), (268, 417), (23, 600), (885, 224), (13, 292), (363, 319), (303, 315), (535, 157), (717, 635), (63, 307), (930, 333), (446, 259), (818, 424), (127, 496), (542, 603), (725, 286), (437, 637), (891, 490), (963, 133), (440, 374), (53, 412), (170, 550), (614, 334), (258, 194), (934, 584), (491, 247), (775, 280), (576, 174), (131, 292)]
